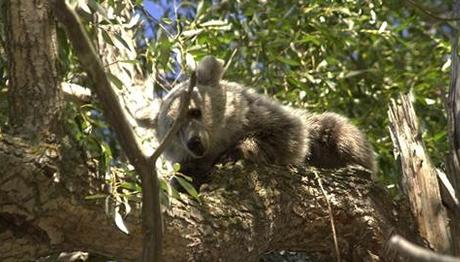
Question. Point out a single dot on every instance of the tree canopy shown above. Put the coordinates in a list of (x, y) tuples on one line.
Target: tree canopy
[(347, 56)]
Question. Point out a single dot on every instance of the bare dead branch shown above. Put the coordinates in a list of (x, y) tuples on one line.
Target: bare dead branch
[(419, 176), (417, 253), (450, 199)]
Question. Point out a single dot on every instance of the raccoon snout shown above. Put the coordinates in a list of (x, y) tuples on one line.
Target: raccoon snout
[(195, 145)]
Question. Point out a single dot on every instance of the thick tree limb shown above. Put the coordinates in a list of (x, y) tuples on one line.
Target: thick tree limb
[(244, 212), (152, 222)]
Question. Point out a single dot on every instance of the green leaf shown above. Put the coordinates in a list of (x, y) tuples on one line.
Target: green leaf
[(131, 186), (187, 186), (115, 80), (199, 8), (95, 196), (309, 39), (107, 37), (122, 41), (176, 167), (129, 61), (101, 10), (288, 61), (166, 20)]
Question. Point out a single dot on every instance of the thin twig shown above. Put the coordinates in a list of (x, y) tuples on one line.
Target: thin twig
[(184, 102), (429, 13), (230, 60), (331, 218), (152, 20)]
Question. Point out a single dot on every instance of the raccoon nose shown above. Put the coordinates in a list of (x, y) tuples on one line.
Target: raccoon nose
[(194, 144)]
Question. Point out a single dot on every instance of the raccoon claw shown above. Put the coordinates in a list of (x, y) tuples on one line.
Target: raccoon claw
[(231, 156)]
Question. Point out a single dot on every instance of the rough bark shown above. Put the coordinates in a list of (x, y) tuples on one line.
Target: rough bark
[(419, 176), (35, 97), (244, 212)]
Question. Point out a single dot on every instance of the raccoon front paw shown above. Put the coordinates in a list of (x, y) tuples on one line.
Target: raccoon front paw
[(198, 174), (230, 156), (246, 149)]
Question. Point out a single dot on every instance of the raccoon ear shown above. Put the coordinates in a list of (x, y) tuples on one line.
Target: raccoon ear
[(209, 71), (147, 116)]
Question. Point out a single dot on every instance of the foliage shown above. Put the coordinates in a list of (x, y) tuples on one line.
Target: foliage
[(348, 56)]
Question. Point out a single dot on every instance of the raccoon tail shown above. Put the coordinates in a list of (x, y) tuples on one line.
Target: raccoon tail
[(335, 142)]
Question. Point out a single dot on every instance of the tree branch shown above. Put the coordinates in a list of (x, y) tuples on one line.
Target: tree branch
[(152, 222), (419, 254)]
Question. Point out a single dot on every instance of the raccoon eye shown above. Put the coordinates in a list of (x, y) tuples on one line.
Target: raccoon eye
[(194, 113)]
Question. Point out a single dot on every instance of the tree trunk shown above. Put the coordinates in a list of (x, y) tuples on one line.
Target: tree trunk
[(35, 98)]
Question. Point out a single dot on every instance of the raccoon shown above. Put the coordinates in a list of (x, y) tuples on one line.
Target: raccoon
[(228, 119)]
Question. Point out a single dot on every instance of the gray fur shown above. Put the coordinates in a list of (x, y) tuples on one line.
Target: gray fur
[(241, 123)]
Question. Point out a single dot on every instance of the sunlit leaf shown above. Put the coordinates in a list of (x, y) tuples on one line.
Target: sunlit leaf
[(192, 32), (119, 222), (82, 4), (214, 23), (131, 186), (176, 167)]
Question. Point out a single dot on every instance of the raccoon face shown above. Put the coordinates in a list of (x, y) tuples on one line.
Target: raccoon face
[(193, 135), (205, 114)]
